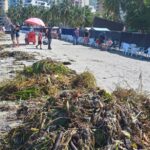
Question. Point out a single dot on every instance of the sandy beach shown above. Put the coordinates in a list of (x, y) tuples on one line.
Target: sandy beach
[(109, 69)]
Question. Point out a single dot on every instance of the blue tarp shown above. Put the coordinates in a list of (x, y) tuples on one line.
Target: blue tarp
[(67, 31), (142, 40)]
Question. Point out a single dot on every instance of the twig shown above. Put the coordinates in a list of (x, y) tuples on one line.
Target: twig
[(57, 143), (67, 118), (73, 146)]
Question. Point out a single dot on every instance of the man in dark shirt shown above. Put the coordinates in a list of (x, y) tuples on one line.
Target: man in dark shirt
[(49, 37)]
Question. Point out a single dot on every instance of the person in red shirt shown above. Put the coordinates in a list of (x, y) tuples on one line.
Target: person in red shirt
[(39, 40)]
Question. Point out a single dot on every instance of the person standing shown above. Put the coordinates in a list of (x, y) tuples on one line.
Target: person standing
[(17, 34), (59, 33), (86, 37), (3, 28), (49, 37), (76, 35), (39, 40), (12, 33)]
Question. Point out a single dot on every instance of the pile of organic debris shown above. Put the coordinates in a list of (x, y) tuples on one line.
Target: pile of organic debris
[(3, 46), (18, 55), (79, 116)]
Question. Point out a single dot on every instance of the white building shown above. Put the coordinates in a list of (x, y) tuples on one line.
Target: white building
[(82, 3), (99, 6), (43, 3)]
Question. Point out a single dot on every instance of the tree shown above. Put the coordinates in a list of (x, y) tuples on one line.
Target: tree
[(138, 15), (134, 14), (147, 2), (63, 13), (112, 9)]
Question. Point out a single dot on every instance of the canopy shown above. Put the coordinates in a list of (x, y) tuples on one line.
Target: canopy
[(35, 21), (97, 29)]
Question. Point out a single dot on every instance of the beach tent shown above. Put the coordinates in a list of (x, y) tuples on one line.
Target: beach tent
[(97, 29), (111, 25), (95, 32)]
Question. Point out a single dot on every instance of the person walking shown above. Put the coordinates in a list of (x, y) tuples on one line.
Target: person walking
[(17, 34), (49, 37), (39, 40)]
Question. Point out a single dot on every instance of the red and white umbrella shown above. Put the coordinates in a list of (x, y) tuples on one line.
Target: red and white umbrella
[(35, 21)]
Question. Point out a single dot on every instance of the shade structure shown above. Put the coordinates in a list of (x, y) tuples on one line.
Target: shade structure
[(35, 21)]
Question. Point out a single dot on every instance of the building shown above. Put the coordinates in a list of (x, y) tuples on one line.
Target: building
[(3, 9), (44, 3), (4, 5), (99, 6), (81, 3)]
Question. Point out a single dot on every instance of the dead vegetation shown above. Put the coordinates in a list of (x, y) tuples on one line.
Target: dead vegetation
[(77, 115), (18, 55), (42, 78)]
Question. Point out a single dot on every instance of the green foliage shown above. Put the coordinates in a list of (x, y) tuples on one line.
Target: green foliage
[(138, 18), (147, 2), (64, 13), (134, 13), (28, 71), (48, 66), (107, 97), (27, 93), (112, 9)]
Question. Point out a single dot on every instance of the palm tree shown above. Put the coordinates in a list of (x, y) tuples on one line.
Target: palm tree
[(64, 12), (112, 9)]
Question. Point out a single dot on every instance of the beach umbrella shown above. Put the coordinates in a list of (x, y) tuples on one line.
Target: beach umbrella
[(35, 21)]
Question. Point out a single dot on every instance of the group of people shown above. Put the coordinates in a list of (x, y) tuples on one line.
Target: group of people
[(43, 34), (86, 35), (48, 37), (102, 41), (15, 28)]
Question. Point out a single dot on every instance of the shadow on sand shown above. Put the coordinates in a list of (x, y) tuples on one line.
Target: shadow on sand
[(120, 53)]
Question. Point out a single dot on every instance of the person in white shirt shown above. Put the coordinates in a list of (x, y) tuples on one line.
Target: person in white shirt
[(3, 28)]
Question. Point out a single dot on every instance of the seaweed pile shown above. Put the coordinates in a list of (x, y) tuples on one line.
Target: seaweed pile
[(43, 78), (80, 116), (18, 55)]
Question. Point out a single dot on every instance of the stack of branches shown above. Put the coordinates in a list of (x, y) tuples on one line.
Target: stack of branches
[(90, 120)]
